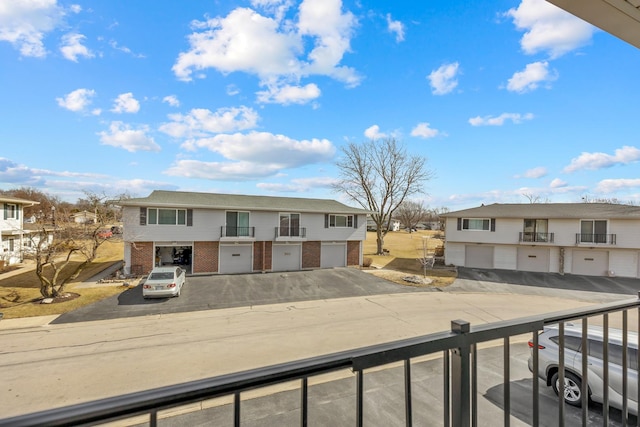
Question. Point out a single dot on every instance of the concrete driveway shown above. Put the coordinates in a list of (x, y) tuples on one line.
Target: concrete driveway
[(227, 291)]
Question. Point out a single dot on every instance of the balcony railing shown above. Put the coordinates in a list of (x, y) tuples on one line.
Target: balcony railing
[(603, 239), (458, 348), (226, 231), (534, 237), (291, 232)]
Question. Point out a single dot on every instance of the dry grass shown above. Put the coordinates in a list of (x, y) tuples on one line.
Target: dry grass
[(405, 249), (19, 293)]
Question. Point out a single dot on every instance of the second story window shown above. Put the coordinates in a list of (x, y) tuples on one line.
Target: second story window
[(536, 230), (593, 231), (477, 224), (289, 224), (238, 224), (166, 216), (10, 211), (340, 221)]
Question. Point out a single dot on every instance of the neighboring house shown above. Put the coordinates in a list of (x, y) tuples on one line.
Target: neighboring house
[(84, 217), (226, 233), (12, 230), (596, 239), (394, 226)]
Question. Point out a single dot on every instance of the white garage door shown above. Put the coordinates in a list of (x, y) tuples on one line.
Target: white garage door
[(333, 255), (590, 263), (236, 259), (286, 257), (478, 256), (533, 259)]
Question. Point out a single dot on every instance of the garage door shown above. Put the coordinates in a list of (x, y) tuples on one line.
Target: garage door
[(590, 263), (333, 255), (236, 259), (533, 259), (286, 257), (478, 256)]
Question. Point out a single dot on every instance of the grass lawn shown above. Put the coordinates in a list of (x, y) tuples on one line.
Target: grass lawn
[(19, 291), (405, 249)]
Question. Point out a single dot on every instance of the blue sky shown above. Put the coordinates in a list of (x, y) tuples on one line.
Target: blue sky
[(258, 97)]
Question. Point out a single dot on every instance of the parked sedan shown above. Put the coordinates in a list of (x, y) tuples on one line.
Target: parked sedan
[(548, 357), (164, 282)]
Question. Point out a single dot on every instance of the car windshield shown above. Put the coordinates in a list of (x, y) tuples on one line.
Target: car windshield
[(161, 276)]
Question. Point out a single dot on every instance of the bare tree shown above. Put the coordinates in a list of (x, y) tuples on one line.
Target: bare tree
[(379, 175), (62, 249), (535, 198), (410, 213)]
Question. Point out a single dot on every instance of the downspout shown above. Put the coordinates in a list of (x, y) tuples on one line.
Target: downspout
[(264, 246)]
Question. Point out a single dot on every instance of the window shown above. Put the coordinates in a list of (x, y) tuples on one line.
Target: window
[(166, 216), (238, 224), (10, 211), (290, 224), (535, 230), (340, 221), (476, 224), (570, 342), (593, 231), (615, 353)]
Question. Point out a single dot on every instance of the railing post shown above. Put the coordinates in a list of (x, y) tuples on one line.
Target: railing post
[(460, 378)]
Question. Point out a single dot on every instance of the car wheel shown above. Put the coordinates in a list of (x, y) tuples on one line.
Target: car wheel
[(572, 388)]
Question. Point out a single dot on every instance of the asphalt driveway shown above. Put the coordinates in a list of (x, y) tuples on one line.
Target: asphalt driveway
[(226, 291)]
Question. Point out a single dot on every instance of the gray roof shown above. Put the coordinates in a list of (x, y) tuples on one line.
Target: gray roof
[(550, 210), (183, 199), (4, 199)]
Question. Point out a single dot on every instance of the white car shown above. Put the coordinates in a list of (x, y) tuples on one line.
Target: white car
[(164, 282), (548, 346)]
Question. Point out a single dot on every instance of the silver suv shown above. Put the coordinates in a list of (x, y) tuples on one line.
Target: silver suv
[(548, 346)]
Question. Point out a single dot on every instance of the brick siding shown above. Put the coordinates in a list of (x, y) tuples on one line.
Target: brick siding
[(311, 254), (258, 256), (353, 253), (205, 257), (141, 257)]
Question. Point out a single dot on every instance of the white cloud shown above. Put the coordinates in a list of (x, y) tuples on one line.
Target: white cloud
[(253, 155), (549, 28), (423, 130), (125, 103), (395, 27), (443, 80), (202, 122), (373, 132), (78, 100), (114, 44), (595, 161), (531, 77), (75, 8), (289, 94), (121, 135), (535, 173), (615, 185), (298, 185), (232, 90), (275, 151), (171, 100), (25, 24), (72, 47), (273, 48), (516, 118), (558, 183)]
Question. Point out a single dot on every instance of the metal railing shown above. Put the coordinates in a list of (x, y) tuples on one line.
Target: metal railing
[(606, 239), (291, 232), (527, 236), (226, 231), (458, 348)]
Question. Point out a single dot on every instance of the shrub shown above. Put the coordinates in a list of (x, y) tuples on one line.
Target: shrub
[(366, 262)]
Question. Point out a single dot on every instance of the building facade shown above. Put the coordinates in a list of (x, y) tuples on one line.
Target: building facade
[(225, 233), (13, 241), (595, 239)]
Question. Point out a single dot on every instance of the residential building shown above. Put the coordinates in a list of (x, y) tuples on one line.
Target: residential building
[(227, 233), (84, 217), (596, 239), (12, 229)]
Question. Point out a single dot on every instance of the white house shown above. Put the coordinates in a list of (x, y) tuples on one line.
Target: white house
[(84, 217), (596, 239), (12, 229), (227, 233)]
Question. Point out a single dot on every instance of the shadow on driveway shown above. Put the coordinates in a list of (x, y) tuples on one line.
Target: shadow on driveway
[(226, 291), (611, 285)]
